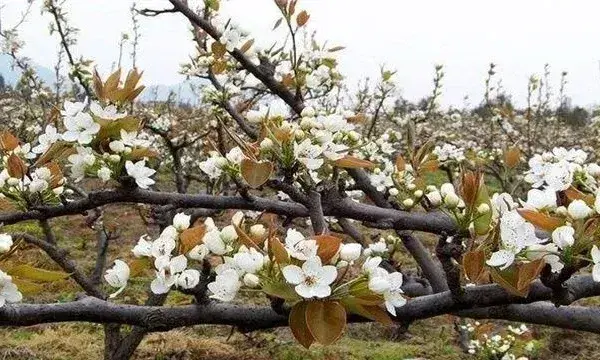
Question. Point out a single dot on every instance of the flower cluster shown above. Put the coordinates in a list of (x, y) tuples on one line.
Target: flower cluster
[(170, 269), (501, 345)]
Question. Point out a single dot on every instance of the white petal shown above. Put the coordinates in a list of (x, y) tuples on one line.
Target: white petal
[(502, 258), (293, 274), (304, 290), (596, 272), (178, 263), (328, 275), (158, 286), (321, 291), (595, 254), (390, 308), (312, 266)]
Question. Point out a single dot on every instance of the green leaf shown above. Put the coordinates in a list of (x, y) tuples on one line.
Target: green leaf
[(372, 312), (32, 273), (280, 289), (112, 129), (27, 287)]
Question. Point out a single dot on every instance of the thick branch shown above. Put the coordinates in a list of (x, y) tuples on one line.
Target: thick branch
[(431, 269), (542, 313), (156, 318), (335, 206)]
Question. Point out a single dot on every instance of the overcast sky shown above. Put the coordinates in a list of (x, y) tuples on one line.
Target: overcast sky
[(409, 36)]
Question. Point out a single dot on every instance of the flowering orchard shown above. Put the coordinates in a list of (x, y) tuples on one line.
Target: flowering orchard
[(328, 188)]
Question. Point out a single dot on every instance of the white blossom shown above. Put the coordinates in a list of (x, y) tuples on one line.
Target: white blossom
[(9, 293), (578, 209), (313, 279), (5, 242), (140, 173), (80, 128), (563, 236), (298, 246), (225, 286), (117, 277), (181, 221)]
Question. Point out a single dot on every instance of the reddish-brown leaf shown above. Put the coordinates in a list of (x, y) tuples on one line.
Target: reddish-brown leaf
[(278, 251), (325, 320), (512, 157), (191, 237), (8, 142), (244, 238), (16, 167), (328, 247), (256, 173), (302, 18), (474, 264), (351, 162), (540, 220), (298, 325)]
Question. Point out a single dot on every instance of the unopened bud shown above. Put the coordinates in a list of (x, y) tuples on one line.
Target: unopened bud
[(251, 280), (451, 200), (483, 208)]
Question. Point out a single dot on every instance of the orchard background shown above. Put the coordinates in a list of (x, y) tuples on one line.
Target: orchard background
[(286, 213)]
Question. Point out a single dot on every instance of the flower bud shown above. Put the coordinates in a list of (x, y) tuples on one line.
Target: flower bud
[(251, 280), (446, 189), (483, 208), (350, 252), (266, 144), (341, 264), (418, 193), (258, 231), (561, 210), (451, 200), (353, 135), (181, 221), (431, 188), (408, 203), (394, 192), (435, 198), (228, 234), (308, 111), (117, 146), (13, 181), (411, 186), (578, 209), (237, 218)]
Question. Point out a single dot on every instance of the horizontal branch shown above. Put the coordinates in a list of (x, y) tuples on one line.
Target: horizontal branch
[(157, 318), (542, 313), (434, 222)]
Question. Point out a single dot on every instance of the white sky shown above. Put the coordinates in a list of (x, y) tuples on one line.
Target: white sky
[(409, 36)]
